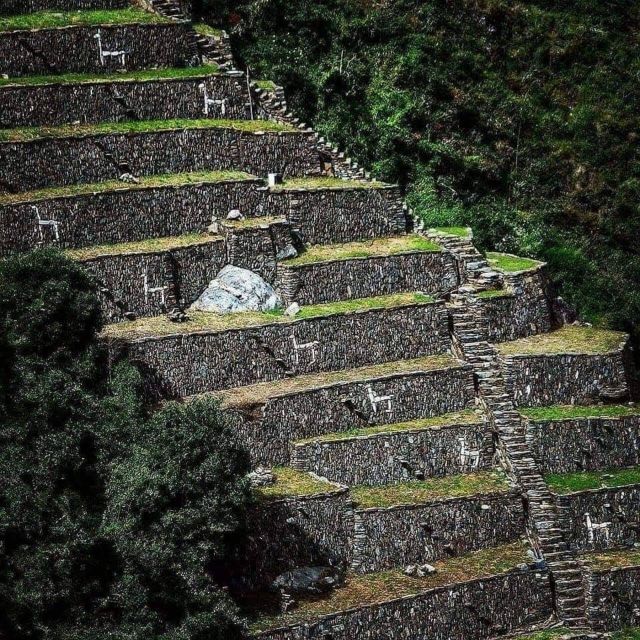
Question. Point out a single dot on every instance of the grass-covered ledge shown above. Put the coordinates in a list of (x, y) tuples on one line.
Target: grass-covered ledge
[(201, 321), (566, 483), (421, 491), (326, 183), (460, 232), (510, 263), (490, 294), (143, 75), (84, 18), (291, 483), (26, 134), (613, 559), (572, 412), (570, 339), (378, 247)]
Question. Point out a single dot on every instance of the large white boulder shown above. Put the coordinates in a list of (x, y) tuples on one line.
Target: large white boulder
[(235, 290)]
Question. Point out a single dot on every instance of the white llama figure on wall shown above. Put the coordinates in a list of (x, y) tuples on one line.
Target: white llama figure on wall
[(104, 54), (212, 102), (377, 400), (593, 527), (310, 347), (44, 224), (468, 457), (151, 291)]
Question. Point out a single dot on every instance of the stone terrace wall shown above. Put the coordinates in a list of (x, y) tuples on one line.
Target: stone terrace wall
[(125, 215), (75, 49), (11, 7), (386, 458), (562, 379), (620, 507), (333, 216), (267, 430), (63, 161), (188, 364), (295, 532), (415, 534), (471, 610), (524, 312), (565, 446), (122, 275), (91, 102), (429, 272), (612, 598)]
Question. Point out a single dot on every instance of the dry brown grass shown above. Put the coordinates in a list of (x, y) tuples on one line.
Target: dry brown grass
[(613, 559)]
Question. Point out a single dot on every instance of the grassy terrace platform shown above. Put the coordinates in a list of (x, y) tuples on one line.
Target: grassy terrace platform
[(421, 491), (568, 412), (565, 483), (460, 232), (612, 559), (153, 245), (86, 18), (326, 183), (492, 293), (576, 340), (251, 223), (449, 419), (369, 249), (143, 75), (144, 182), (140, 126), (258, 393), (376, 588), (291, 483), (510, 263), (210, 322)]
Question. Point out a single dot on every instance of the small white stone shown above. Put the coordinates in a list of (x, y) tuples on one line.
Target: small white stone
[(292, 310), (235, 214)]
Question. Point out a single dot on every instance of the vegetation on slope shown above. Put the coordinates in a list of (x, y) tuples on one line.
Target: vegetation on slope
[(518, 118)]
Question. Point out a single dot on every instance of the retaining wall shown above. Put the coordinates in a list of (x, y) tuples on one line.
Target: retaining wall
[(192, 363), (414, 534), (428, 272), (612, 598), (386, 458), (563, 379), (267, 429), (523, 312), (618, 509), (462, 611), (565, 446), (333, 216), (49, 162), (13, 7), (113, 101), (75, 49)]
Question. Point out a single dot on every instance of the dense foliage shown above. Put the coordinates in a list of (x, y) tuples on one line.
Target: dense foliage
[(113, 522), (518, 118)]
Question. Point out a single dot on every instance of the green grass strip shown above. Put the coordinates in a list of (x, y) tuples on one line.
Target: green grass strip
[(461, 232), (378, 247), (582, 481), (418, 492), (207, 30), (143, 75), (448, 419), (576, 340), (568, 412), (510, 263), (612, 559), (326, 183), (139, 126), (292, 483), (146, 182), (492, 293), (87, 18)]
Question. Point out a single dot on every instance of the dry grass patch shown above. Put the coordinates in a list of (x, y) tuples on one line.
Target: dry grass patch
[(326, 183), (612, 559), (569, 340), (421, 491), (376, 588), (569, 412), (251, 223), (260, 393), (291, 483)]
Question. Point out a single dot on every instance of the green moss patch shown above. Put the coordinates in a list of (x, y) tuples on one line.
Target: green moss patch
[(292, 483), (326, 183), (90, 78), (418, 492), (568, 412), (88, 18), (565, 483), (492, 293), (145, 182), (266, 85), (374, 248), (576, 340), (139, 126), (461, 232), (201, 321), (511, 263), (449, 419), (375, 588), (207, 30), (613, 559)]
